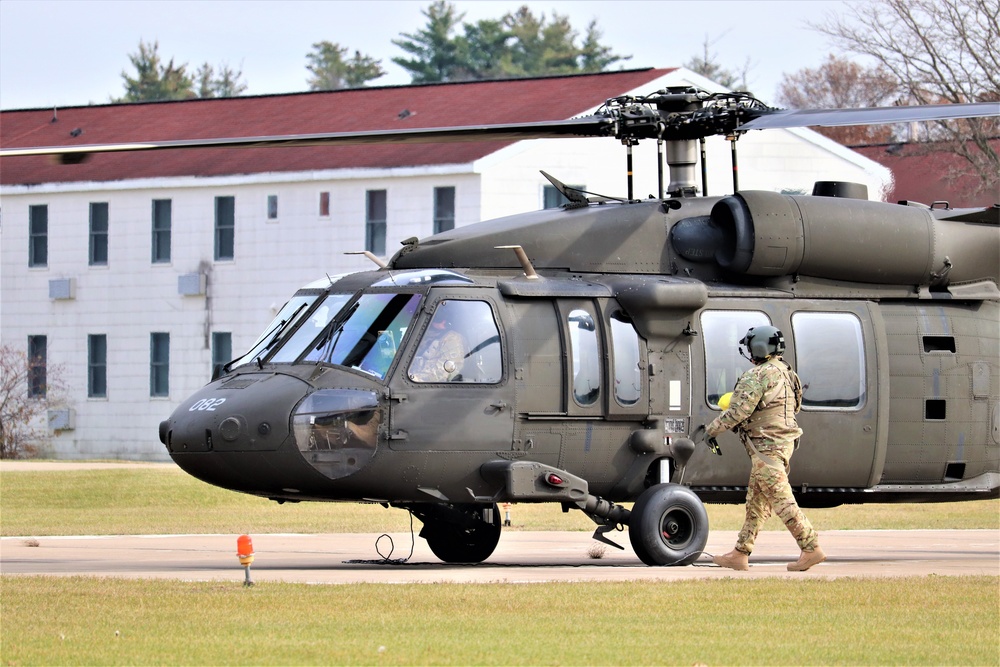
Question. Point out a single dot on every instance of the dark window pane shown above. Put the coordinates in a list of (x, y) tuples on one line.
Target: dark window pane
[(98, 233), (159, 364), (37, 360), (444, 209), (97, 366), (225, 227), (38, 235), (375, 221), (161, 230)]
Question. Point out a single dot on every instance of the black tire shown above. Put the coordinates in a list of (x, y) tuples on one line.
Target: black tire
[(473, 544), (668, 525)]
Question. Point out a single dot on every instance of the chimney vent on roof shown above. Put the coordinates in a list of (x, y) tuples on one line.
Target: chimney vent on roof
[(404, 114)]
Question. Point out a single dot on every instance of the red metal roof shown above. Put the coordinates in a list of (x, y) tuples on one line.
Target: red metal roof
[(441, 105), (926, 176)]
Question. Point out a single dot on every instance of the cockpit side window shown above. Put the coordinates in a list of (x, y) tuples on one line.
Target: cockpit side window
[(461, 344)]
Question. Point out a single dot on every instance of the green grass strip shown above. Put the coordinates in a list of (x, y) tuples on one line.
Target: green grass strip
[(167, 501), (890, 621)]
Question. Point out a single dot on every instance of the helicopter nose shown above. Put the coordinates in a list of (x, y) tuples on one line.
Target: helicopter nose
[(248, 413)]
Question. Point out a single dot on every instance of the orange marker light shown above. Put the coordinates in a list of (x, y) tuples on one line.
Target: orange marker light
[(244, 549)]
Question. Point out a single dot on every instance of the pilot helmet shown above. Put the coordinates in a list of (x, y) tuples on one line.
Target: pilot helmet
[(762, 343)]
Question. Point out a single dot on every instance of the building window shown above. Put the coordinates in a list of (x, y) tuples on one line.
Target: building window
[(225, 228), (830, 360), (272, 207), (161, 230), (723, 330), (222, 351), (552, 198), (38, 235), (98, 234), (37, 354), (444, 209), (375, 221), (324, 204), (159, 364), (97, 366)]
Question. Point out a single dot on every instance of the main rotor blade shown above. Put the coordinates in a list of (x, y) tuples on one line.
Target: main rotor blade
[(587, 126), (869, 116)]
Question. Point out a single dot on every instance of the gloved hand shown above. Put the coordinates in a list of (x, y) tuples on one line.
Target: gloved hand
[(700, 434)]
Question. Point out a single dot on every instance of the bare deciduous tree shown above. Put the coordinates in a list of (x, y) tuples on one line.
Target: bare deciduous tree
[(939, 51), (842, 83), (25, 395)]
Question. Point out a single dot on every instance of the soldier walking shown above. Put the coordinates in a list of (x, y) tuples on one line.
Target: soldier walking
[(762, 411)]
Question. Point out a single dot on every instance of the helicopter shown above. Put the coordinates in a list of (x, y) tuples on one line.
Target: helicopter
[(568, 356)]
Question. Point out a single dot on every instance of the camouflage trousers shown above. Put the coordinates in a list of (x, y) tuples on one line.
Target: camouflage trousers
[(767, 491)]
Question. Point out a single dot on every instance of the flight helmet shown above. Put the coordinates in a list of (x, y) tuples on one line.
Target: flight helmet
[(762, 343)]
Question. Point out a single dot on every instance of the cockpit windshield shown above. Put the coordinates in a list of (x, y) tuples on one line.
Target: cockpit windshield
[(365, 335), (282, 323)]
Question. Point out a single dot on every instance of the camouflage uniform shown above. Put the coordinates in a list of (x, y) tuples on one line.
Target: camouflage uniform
[(440, 357), (762, 411)]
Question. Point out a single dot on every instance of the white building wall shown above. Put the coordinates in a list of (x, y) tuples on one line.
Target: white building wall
[(132, 297)]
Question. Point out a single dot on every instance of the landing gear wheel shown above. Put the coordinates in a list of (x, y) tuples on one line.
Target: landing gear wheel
[(473, 542), (668, 525)]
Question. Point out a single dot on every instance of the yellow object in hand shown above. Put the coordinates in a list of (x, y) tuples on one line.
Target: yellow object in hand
[(724, 400)]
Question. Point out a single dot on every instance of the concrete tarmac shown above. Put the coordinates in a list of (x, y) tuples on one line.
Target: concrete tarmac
[(521, 557)]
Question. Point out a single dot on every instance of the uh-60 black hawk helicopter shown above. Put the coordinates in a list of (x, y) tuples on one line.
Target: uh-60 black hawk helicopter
[(567, 356)]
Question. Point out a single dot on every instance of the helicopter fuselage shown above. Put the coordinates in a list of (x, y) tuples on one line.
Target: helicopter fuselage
[(597, 375)]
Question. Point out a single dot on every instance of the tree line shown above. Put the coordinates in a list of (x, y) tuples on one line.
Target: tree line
[(892, 52)]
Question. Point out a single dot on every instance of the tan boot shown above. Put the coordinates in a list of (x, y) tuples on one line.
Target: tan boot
[(734, 560), (807, 559)]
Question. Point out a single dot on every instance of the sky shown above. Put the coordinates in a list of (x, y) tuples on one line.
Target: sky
[(73, 52)]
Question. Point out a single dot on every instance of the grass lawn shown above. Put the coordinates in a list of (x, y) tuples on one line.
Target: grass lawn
[(91, 621), (163, 501), (106, 621)]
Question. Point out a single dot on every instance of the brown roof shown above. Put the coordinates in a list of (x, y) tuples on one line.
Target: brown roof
[(441, 105), (924, 175)]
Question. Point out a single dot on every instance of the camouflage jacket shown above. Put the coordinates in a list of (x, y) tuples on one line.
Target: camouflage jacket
[(763, 406)]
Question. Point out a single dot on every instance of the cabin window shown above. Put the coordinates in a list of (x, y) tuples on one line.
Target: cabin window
[(97, 366), (324, 204), (159, 364), (628, 374), (38, 235), (722, 331), (830, 360), (161, 230), (444, 209), (225, 228), (586, 355), (98, 234), (272, 208), (375, 221), (461, 344)]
